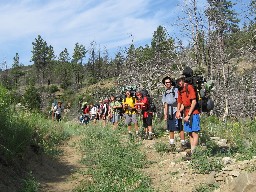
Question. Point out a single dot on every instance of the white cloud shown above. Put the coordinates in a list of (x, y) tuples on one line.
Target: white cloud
[(62, 23)]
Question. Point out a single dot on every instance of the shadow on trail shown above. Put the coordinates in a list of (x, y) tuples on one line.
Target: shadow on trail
[(51, 173)]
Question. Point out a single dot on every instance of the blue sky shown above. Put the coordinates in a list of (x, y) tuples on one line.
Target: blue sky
[(62, 23)]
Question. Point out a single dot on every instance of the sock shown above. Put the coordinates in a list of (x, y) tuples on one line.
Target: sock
[(137, 132), (150, 133), (171, 141), (182, 142), (129, 132)]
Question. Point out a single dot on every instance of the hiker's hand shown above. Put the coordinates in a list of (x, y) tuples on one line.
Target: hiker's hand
[(178, 115), (186, 118)]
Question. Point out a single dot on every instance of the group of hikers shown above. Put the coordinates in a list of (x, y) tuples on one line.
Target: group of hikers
[(180, 109), (114, 110)]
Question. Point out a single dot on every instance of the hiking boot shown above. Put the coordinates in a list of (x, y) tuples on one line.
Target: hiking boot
[(172, 148), (183, 147), (188, 156), (150, 137), (145, 136)]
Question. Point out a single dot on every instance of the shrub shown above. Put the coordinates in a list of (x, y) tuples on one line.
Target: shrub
[(161, 147), (53, 89), (32, 98), (203, 161)]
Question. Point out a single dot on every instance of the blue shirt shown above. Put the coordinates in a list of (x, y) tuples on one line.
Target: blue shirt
[(170, 97)]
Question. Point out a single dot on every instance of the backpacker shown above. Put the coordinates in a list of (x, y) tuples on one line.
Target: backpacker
[(203, 100), (152, 106)]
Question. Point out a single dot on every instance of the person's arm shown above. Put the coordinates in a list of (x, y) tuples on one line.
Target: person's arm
[(191, 109), (180, 106), (165, 111)]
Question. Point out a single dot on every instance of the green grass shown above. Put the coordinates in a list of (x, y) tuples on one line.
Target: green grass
[(241, 143), (206, 187), (114, 162), (240, 135), (30, 184)]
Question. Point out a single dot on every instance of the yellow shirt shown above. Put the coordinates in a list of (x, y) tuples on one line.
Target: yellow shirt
[(130, 101)]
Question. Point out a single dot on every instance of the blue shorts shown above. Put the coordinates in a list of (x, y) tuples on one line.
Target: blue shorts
[(195, 124), (174, 125)]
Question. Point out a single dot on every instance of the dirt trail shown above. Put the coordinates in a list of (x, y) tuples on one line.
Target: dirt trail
[(62, 174), (168, 172)]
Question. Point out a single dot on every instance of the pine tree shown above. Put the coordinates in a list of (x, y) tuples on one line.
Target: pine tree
[(42, 55)]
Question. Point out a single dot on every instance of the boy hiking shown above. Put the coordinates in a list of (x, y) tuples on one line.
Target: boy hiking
[(57, 110), (142, 106), (169, 100), (130, 113), (115, 110), (187, 104)]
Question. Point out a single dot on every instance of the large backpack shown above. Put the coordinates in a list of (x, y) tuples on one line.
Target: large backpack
[(151, 106), (203, 101)]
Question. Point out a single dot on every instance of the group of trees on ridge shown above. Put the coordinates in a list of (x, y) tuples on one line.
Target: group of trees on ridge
[(219, 48)]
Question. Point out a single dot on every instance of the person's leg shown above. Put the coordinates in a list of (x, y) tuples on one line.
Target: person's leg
[(195, 130), (116, 120), (149, 119), (171, 137), (194, 141), (145, 127), (135, 122), (171, 126), (128, 123)]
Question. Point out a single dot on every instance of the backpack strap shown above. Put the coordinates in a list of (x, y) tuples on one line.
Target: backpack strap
[(172, 91)]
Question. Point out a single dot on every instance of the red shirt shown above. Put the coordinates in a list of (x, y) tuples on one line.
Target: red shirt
[(87, 110), (144, 107), (185, 97)]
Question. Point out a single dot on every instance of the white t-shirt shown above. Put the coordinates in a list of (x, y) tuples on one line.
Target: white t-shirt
[(57, 109), (93, 110)]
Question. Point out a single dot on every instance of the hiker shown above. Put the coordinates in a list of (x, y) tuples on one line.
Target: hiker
[(130, 113), (57, 110), (85, 108), (100, 109), (142, 106), (115, 109), (85, 117), (187, 104), (105, 111), (93, 113), (52, 109), (169, 100)]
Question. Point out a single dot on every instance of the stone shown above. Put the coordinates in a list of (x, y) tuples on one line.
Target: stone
[(234, 173), (227, 160), (244, 182), (211, 178)]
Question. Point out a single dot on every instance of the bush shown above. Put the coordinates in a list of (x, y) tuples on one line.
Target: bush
[(203, 161), (53, 89), (32, 98)]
